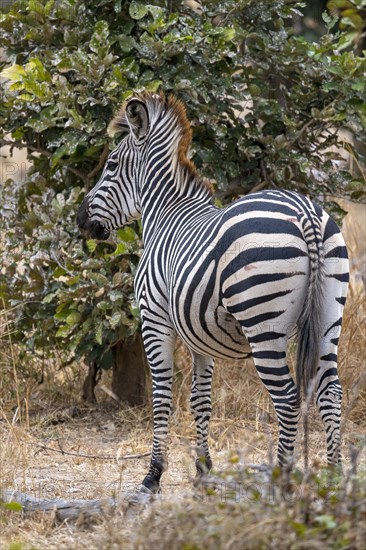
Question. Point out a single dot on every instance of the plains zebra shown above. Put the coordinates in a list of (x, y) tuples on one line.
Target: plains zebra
[(270, 263)]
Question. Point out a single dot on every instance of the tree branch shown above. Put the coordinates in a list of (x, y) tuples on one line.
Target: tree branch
[(44, 152), (97, 457), (21, 145), (98, 167)]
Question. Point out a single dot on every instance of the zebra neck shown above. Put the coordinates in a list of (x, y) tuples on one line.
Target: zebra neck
[(169, 199)]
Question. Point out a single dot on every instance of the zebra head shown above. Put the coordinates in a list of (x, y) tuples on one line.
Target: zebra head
[(114, 201)]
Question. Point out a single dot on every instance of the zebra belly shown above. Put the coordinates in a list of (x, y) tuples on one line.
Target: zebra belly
[(220, 336), (205, 325)]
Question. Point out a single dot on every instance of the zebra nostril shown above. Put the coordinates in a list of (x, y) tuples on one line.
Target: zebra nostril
[(98, 231)]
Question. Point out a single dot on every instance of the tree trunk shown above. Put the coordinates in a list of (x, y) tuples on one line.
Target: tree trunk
[(129, 371), (90, 382)]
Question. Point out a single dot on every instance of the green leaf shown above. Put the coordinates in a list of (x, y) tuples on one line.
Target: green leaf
[(154, 85), (126, 234), (36, 70), (15, 73), (115, 295), (14, 506), (57, 155), (59, 272), (99, 278), (63, 331), (228, 34), (73, 318), (358, 84), (127, 43), (329, 20), (115, 320), (49, 298), (117, 6), (299, 528), (138, 10), (91, 244), (36, 7), (120, 249), (99, 334), (70, 281), (49, 6), (98, 42), (254, 90), (104, 305)]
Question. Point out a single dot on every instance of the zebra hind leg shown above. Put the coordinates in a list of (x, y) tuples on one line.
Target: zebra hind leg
[(329, 390), (329, 400), (269, 354), (201, 409)]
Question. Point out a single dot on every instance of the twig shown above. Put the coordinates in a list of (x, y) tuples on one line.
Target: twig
[(300, 133), (221, 19), (21, 145), (15, 374), (83, 455), (99, 166), (44, 152)]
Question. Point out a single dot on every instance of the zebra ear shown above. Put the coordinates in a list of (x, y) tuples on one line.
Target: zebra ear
[(137, 117)]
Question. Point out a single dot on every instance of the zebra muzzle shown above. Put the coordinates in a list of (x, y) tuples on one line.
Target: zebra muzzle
[(90, 228)]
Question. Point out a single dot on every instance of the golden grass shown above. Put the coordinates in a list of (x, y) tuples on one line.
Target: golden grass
[(243, 423)]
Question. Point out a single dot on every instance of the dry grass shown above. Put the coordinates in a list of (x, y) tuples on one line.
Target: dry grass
[(243, 422)]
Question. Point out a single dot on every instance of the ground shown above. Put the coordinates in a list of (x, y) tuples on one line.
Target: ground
[(243, 430)]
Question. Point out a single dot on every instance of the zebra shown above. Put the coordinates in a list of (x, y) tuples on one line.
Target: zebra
[(269, 265)]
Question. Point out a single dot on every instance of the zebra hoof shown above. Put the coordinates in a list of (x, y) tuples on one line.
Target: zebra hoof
[(203, 465), (203, 468)]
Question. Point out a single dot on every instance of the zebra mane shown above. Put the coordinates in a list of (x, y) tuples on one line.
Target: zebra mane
[(156, 103)]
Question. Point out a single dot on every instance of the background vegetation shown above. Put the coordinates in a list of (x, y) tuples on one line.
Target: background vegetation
[(266, 107), (276, 95)]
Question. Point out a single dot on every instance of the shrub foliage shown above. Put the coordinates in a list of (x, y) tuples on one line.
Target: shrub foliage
[(265, 107)]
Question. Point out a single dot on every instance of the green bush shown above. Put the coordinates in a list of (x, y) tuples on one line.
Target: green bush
[(265, 107)]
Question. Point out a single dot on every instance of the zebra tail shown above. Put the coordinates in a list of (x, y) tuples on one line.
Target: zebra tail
[(309, 327)]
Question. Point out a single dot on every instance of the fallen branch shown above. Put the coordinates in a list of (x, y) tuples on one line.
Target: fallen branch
[(64, 509), (85, 511), (95, 457)]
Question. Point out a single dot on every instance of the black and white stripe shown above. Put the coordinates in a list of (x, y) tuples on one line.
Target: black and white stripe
[(268, 266)]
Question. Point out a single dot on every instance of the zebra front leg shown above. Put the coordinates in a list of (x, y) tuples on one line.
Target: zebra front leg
[(201, 408), (159, 346)]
